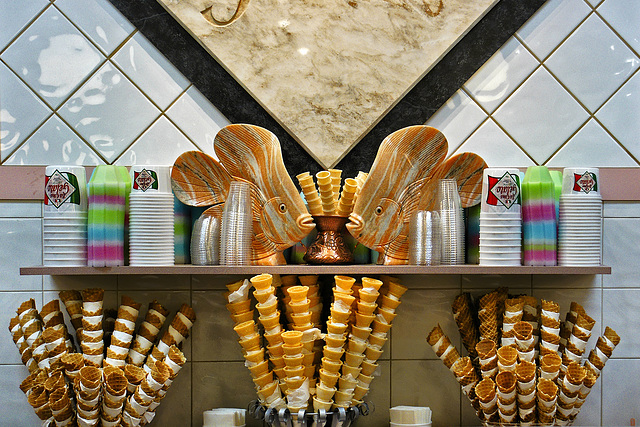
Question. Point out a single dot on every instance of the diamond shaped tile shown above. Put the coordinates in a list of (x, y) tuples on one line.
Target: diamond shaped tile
[(109, 112), (457, 118), (54, 143), (52, 57), (551, 24), (540, 115), (620, 115), (329, 70), (501, 74), (623, 16), (495, 147), (198, 119), (593, 63), (21, 113), (21, 14), (161, 144), (592, 146), (99, 20)]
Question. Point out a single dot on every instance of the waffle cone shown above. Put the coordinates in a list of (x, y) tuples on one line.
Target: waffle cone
[(547, 390), (507, 355), (549, 322), (575, 373), (602, 345), (585, 321), (52, 334), (612, 336), (90, 376), (54, 382), (59, 399), (549, 337), (513, 305), (486, 390), (55, 320), (550, 362), (116, 383), (450, 357), (595, 360), (37, 397), (486, 349), (549, 306), (52, 306), (92, 295), (134, 374), (523, 330), (525, 371), (27, 305), (506, 382), (435, 334)]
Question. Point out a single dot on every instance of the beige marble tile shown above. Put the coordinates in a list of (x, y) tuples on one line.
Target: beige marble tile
[(329, 70)]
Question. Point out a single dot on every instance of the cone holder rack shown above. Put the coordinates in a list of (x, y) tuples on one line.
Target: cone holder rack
[(340, 417)]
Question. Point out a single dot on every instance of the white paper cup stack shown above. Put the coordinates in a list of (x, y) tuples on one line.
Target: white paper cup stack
[(416, 416), (64, 236), (580, 221), (151, 218), (501, 218)]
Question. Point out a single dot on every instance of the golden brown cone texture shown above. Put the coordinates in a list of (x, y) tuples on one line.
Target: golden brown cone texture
[(30, 304), (549, 306), (129, 302), (506, 381), (116, 383), (464, 371), (55, 381), (523, 330), (72, 361), (50, 307), (461, 308), (547, 389), (188, 312), (435, 335), (525, 371), (550, 362), (451, 358), (575, 373), (486, 348), (507, 355), (38, 396), (176, 356), (612, 335), (92, 295), (90, 376), (134, 374), (486, 390), (155, 305)]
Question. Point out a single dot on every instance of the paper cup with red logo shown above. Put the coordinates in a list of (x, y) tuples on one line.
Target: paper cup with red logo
[(583, 182), (501, 191), (65, 191), (150, 179)]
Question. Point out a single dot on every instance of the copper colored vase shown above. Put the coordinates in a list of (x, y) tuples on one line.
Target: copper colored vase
[(329, 246)]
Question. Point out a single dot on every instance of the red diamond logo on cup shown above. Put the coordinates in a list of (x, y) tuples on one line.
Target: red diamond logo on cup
[(58, 189), (145, 180), (505, 189), (586, 182)]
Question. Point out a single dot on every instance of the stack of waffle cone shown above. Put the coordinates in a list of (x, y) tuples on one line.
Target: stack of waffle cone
[(525, 341), (52, 318), (526, 376), (462, 314), (55, 341), (513, 312), (40, 353), (325, 186), (134, 375), (302, 321), (61, 406), (602, 351), (503, 295), (122, 335), (467, 377), (295, 379), (310, 193), (566, 327), (507, 358), (507, 408), (175, 360), (38, 398), (239, 304), (588, 383), (347, 197), (30, 321), (72, 300), (531, 315), (26, 354), (547, 396), (549, 328), (91, 338), (114, 394), (550, 366), (442, 346), (487, 358), (336, 181), (138, 403), (72, 363), (147, 333), (569, 388), (334, 348), (88, 386), (488, 316), (488, 399), (577, 342), (178, 329), (254, 354), (299, 306)]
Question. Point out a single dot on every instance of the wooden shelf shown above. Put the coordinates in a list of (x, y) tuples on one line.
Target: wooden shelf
[(311, 269)]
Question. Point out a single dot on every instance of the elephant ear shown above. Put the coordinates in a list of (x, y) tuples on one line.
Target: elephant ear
[(198, 179)]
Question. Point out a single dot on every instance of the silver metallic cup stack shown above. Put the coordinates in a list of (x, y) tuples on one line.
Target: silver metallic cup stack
[(424, 238), (235, 234), (452, 222)]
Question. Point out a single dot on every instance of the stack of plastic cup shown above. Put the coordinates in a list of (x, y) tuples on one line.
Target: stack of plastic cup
[(65, 216), (500, 218), (580, 222), (424, 238), (539, 217), (151, 219), (108, 190), (236, 229), (205, 240), (451, 223)]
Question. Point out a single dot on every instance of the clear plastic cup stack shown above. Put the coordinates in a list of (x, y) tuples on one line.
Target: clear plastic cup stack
[(451, 222), (65, 216), (151, 216), (501, 218), (205, 240), (580, 220), (424, 238), (236, 228)]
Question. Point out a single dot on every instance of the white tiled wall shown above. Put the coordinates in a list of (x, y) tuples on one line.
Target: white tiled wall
[(564, 90)]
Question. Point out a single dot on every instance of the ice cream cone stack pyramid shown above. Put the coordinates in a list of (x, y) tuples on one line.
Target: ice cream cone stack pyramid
[(506, 383), (72, 301), (147, 334), (462, 314), (26, 353), (526, 380), (330, 197), (104, 391)]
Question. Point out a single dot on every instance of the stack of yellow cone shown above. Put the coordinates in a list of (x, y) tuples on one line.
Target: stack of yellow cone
[(310, 193), (325, 186)]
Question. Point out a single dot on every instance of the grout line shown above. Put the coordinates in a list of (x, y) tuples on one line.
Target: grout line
[(25, 28)]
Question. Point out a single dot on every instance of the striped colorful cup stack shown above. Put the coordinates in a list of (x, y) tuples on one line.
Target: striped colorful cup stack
[(539, 217), (182, 231), (500, 218), (64, 237), (580, 222), (151, 216), (108, 190)]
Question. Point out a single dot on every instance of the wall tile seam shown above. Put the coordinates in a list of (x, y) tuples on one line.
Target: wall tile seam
[(598, 13), (26, 26)]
